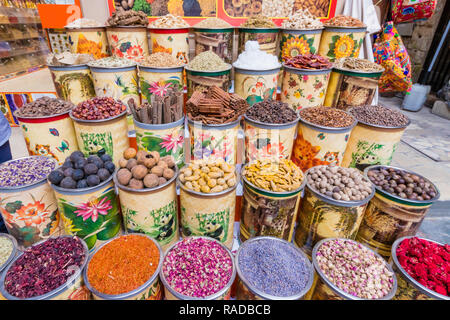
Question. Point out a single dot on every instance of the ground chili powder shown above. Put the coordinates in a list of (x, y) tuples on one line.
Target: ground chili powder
[(427, 262), (123, 264)]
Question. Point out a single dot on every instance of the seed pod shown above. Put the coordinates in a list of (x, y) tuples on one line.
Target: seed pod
[(217, 189)]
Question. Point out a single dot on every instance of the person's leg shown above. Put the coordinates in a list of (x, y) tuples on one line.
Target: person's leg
[(5, 152)]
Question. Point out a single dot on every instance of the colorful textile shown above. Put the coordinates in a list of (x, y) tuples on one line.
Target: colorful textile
[(412, 10), (390, 52)]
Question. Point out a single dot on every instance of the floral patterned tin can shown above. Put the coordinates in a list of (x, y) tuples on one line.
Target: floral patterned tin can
[(219, 41), (349, 88), (268, 213), (295, 42), (49, 136), (268, 140), (173, 41), (303, 88), (208, 214), (129, 42), (325, 289), (341, 42), (266, 37), (223, 294), (408, 288), (317, 145), (30, 212), (256, 85), (154, 80), (119, 83), (389, 217), (150, 290), (110, 135), (90, 213), (321, 217), (214, 141), (246, 291), (73, 289), (167, 139), (153, 211), (202, 80), (88, 40), (73, 83), (371, 144)]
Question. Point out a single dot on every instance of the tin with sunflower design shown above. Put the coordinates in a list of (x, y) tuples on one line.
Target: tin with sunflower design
[(173, 41), (256, 85), (295, 42), (129, 42), (304, 88), (88, 40), (341, 42)]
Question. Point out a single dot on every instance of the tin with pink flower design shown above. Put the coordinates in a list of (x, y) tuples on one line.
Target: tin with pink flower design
[(304, 88), (167, 139), (129, 42), (158, 81), (90, 213)]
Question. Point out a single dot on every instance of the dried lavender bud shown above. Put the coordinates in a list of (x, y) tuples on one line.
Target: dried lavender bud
[(26, 171)]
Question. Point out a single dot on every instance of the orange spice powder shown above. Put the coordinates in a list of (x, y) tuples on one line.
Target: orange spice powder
[(123, 265)]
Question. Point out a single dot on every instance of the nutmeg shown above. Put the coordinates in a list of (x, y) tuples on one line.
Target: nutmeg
[(162, 164), (151, 180), (155, 154), (168, 173), (141, 156), (123, 162), (162, 180), (169, 160), (139, 171), (124, 176), (136, 184), (157, 170), (150, 162), (131, 163), (129, 153)]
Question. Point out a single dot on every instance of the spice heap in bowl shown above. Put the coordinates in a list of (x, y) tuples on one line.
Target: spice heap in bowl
[(78, 172), (213, 23), (67, 58), (327, 117), (127, 18), (124, 267), (169, 21), (83, 23), (208, 176), (271, 111), (258, 21), (308, 61), (6, 249), (353, 270), (44, 106), (142, 169), (344, 21), (357, 64), (426, 262), (215, 106), (277, 176), (302, 20), (45, 267), (253, 58), (160, 60), (112, 62), (98, 108), (272, 269), (198, 267), (25, 171), (208, 61), (380, 116)]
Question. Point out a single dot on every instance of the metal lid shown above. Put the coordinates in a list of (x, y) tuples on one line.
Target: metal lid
[(13, 251), (214, 126), (411, 280), (259, 70), (301, 30), (69, 66), (161, 126), (228, 68), (337, 290), (261, 293), (308, 71), (124, 295), (161, 69), (211, 297), (49, 295)]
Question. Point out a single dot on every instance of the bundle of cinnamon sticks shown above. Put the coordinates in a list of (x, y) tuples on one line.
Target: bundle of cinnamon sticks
[(215, 106), (160, 110)]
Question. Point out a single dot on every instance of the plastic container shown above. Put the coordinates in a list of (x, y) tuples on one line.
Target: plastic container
[(408, 288), (245, 291), (90, 213), (266, 37), (152, 211), (153, 80), (90, 40), (268, 213), (208, 214), (202, 80), (277, 139), (321, 217), (214, 141), (119, 83), (319, 145), (50, 136), (417, 97), (218, 40), (129, 42), (171, 40), (37, 218), (73, 83), (166, 138), (327, 290), (223, 294), (150, 290), (351, 88), (341, 42), (299, 41), (13, 252), (109, 134), (371, 144), (302, 88), (389, 217), (256, 85), (73, 289)]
